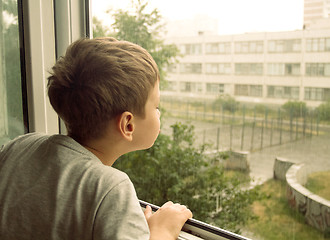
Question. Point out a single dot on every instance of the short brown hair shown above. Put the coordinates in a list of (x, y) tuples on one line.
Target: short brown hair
[(98, 79)]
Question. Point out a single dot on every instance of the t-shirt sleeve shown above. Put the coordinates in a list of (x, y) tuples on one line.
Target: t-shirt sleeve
[(120, 215)]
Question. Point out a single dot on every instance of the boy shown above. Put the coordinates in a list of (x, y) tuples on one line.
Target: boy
[(63, 187)]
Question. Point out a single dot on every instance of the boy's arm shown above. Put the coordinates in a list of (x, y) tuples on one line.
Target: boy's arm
[(167, 222)]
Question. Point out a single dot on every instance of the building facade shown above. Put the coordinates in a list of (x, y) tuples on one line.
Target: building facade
[(267, 67)]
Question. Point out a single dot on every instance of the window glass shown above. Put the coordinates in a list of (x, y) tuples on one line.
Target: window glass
[(11, 108), (243, 85)]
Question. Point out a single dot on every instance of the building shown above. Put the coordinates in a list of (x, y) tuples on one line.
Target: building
[(261, 67), (315, 10)]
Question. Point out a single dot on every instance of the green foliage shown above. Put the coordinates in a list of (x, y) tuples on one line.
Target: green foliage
[(323, 111), (12, 73), (99, 30), (144, 29), (295, 108), (226, 102), (173, 169)]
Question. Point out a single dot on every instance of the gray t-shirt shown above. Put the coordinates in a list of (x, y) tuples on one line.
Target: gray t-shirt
[(53, 188)]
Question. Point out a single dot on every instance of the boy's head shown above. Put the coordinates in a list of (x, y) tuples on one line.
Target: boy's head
[(97, 80)]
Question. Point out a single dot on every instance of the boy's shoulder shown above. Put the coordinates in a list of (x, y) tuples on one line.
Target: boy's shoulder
[(23, 140)]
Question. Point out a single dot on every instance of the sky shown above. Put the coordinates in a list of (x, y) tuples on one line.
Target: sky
[(234, 16)]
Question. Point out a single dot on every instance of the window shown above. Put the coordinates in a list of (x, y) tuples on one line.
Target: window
[(221, 72), (172, 68), (215, 88), (280, 46), (248, 68), (281, 69), (248, 90), (317, 94), (191, 68), (318, 45), (283, 92), (218, 48), (249, 47), (318, 69), (191, 49), (218, 68), (11, 101)]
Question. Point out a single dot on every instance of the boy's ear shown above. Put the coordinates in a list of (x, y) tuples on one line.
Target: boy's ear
[(126, 125)]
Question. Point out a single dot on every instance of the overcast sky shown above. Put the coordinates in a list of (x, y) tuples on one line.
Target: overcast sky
[(234, 16)]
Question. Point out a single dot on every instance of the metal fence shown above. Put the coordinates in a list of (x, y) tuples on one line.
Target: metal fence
[(245, 128)]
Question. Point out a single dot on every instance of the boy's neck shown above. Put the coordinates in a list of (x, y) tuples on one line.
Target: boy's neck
[(106, 156)]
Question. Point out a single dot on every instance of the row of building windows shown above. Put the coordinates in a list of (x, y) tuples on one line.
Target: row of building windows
[(273, 69), (286, 92), (244, 47)]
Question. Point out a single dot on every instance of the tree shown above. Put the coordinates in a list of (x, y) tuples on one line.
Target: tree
[(295, 108), (323, 111), (11, 67), (144, 29), (226, 102), (173, 169)]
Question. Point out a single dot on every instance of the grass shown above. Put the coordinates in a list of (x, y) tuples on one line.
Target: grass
[(275, 220), (318, 183)]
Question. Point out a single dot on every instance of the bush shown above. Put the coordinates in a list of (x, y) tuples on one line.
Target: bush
[(323, 111), (295, 108), (226, 102)]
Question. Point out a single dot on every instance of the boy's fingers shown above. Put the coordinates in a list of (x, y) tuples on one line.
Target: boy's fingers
[(148, 212), (167, 204)]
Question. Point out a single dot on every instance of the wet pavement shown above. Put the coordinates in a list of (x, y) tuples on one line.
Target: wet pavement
[(312, 151)]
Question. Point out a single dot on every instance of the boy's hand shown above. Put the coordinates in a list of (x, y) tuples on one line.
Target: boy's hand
[(167, 222)]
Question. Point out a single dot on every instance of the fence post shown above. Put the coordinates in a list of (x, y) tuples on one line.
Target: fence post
[(271, 132), (291, 115), (304, 124), (296, 128), (218, 137), (243, 128), (231, 136), (281, 129), (317, 123), (262, 135), (266, 117), (252, 135), (312, 115)]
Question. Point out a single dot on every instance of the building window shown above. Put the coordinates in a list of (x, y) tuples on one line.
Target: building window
[(318, 69), (249, 47), (283, 92), (172, 68), (281, 69), (248, 68), (280, 46), (248, 90), (317, 94), (218, 48), (242, 90), (191, 68), (318, 45), (218, 68), (185, 87), (215, 88), (191, 49)]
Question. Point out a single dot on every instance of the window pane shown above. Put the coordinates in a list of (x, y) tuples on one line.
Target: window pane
[(254, 90), (11, 111)]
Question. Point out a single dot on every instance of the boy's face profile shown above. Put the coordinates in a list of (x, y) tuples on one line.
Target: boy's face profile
[(148, 127)]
